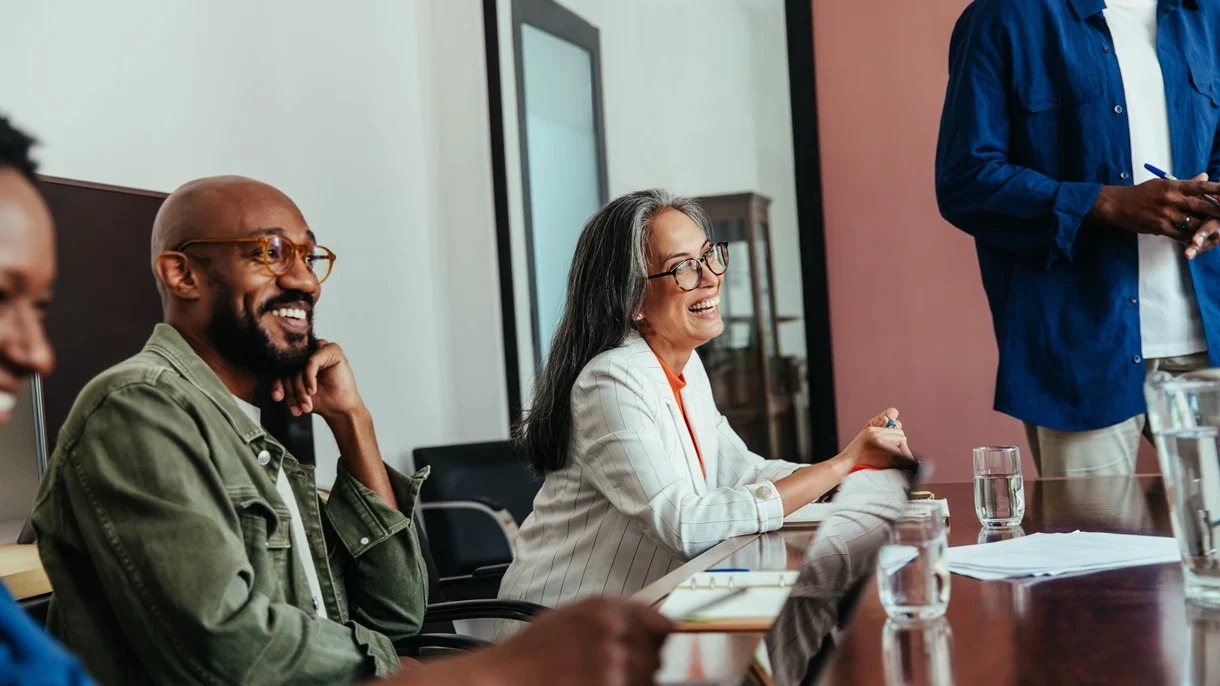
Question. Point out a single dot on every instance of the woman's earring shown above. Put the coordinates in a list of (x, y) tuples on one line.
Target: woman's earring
[(639, 317)]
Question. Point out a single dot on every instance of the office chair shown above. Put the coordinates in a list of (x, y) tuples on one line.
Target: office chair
[(472, 504), (438, 636)]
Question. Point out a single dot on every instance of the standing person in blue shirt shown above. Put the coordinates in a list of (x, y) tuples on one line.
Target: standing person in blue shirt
[(27, 269), (1096, 272)]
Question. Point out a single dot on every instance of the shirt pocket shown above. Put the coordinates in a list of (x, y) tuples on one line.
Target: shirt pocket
[(266, 534), (1203, 79), (1050, 92)]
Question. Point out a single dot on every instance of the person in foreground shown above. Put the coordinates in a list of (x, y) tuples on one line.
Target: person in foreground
[(642, 472), (1097, 272), (27, 273), (596, 642)]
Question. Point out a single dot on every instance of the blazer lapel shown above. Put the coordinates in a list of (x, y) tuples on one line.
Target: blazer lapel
[(649, 360), (701, 408)]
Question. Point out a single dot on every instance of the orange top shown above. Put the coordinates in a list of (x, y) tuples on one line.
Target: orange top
[(677, 383)]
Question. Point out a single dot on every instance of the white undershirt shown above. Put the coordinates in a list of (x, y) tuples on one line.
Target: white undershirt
[(300, 542), (1170, 323)]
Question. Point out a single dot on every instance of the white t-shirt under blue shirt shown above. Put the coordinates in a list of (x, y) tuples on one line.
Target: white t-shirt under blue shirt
[(1170, 322)]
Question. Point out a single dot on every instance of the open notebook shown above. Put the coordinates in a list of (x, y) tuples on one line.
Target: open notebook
[(753, 610)]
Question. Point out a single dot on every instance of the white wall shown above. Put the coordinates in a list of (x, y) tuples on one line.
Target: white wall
[(372, 115), (696, 99)]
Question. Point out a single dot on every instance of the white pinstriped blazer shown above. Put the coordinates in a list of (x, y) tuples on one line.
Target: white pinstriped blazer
[(632, 503)]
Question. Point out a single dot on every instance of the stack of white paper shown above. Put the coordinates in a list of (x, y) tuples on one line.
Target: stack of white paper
[(1054, 554)]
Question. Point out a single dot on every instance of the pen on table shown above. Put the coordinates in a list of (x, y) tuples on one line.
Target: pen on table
[(693, 613), (1170, 177)]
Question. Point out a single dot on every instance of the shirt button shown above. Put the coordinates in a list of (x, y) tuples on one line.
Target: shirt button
[(1136, 359), (364, 540), (1105, 49), (1118, 109), (264, 457), (1133, 299), (1123, 175), (762, 493)]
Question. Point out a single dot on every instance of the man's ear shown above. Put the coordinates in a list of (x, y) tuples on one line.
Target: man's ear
[(180, 275)]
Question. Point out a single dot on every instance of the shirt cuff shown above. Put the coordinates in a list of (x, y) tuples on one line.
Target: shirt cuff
[(768, 505), (1073, 201), (361, 519), (379, 649)]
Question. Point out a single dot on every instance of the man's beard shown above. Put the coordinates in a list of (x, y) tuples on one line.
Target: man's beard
[(238, 337)]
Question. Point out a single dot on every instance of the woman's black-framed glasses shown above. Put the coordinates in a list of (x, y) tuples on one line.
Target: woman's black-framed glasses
[(279, 254), (688, 274)]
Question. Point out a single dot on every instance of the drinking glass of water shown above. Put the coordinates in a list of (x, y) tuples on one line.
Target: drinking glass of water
[(999, 494), (1184, 413), (912, 569), (918, 653)]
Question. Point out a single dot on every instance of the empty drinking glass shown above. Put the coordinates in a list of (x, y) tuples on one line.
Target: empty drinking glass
[(999, 494), (1184, 413), (913, 569)]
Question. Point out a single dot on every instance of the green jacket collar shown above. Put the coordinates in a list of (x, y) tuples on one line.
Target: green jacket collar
[(168, 344)]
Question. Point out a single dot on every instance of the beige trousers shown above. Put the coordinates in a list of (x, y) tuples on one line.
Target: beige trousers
[(1110, 450)]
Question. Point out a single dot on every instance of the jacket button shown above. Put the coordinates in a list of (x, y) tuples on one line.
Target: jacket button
[(1134, 299), (364, 540), (1118, 109), (1136, 359), (264, 457), (762, 493)]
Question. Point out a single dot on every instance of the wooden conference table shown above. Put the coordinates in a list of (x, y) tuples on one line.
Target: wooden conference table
[(1126, 626)]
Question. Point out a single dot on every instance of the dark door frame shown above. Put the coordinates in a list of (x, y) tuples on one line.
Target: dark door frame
[(802, 87)]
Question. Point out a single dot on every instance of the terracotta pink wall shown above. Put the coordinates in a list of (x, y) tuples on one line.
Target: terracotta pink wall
[(909, 321)]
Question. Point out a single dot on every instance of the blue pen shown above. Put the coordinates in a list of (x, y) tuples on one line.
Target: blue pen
[(889, 423), (728, 569), (1170, 177), (1193, 250)]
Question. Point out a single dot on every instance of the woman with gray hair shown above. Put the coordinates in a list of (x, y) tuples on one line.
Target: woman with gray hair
[(642, 472)]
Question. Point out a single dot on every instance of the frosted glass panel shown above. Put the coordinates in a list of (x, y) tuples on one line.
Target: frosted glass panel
[(563, 167)]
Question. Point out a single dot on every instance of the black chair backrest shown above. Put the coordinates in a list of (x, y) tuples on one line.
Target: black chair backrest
[(466, 540), (487, 471)]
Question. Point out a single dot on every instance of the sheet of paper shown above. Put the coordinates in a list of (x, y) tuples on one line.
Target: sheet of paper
[(1044, 554)]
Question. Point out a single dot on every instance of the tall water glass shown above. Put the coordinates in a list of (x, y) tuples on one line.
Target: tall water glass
[(913, 569), (1184, 413), (999, 494)]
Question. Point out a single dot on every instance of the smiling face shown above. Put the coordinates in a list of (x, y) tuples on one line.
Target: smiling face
[(676, 319), (27, 271), (255, 319)]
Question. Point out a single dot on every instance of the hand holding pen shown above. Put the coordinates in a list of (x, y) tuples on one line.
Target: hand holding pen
[(1207, 235), (1160, 207)]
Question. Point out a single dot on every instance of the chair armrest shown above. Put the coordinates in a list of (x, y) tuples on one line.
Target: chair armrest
[(451, 611), (483, 582), (501, 516), (423, 644)]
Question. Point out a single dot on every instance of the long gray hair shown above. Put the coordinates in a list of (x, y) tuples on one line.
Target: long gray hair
[(605, 286)]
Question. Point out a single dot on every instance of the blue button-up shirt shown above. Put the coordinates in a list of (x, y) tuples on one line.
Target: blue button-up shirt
[(1034, 123)]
